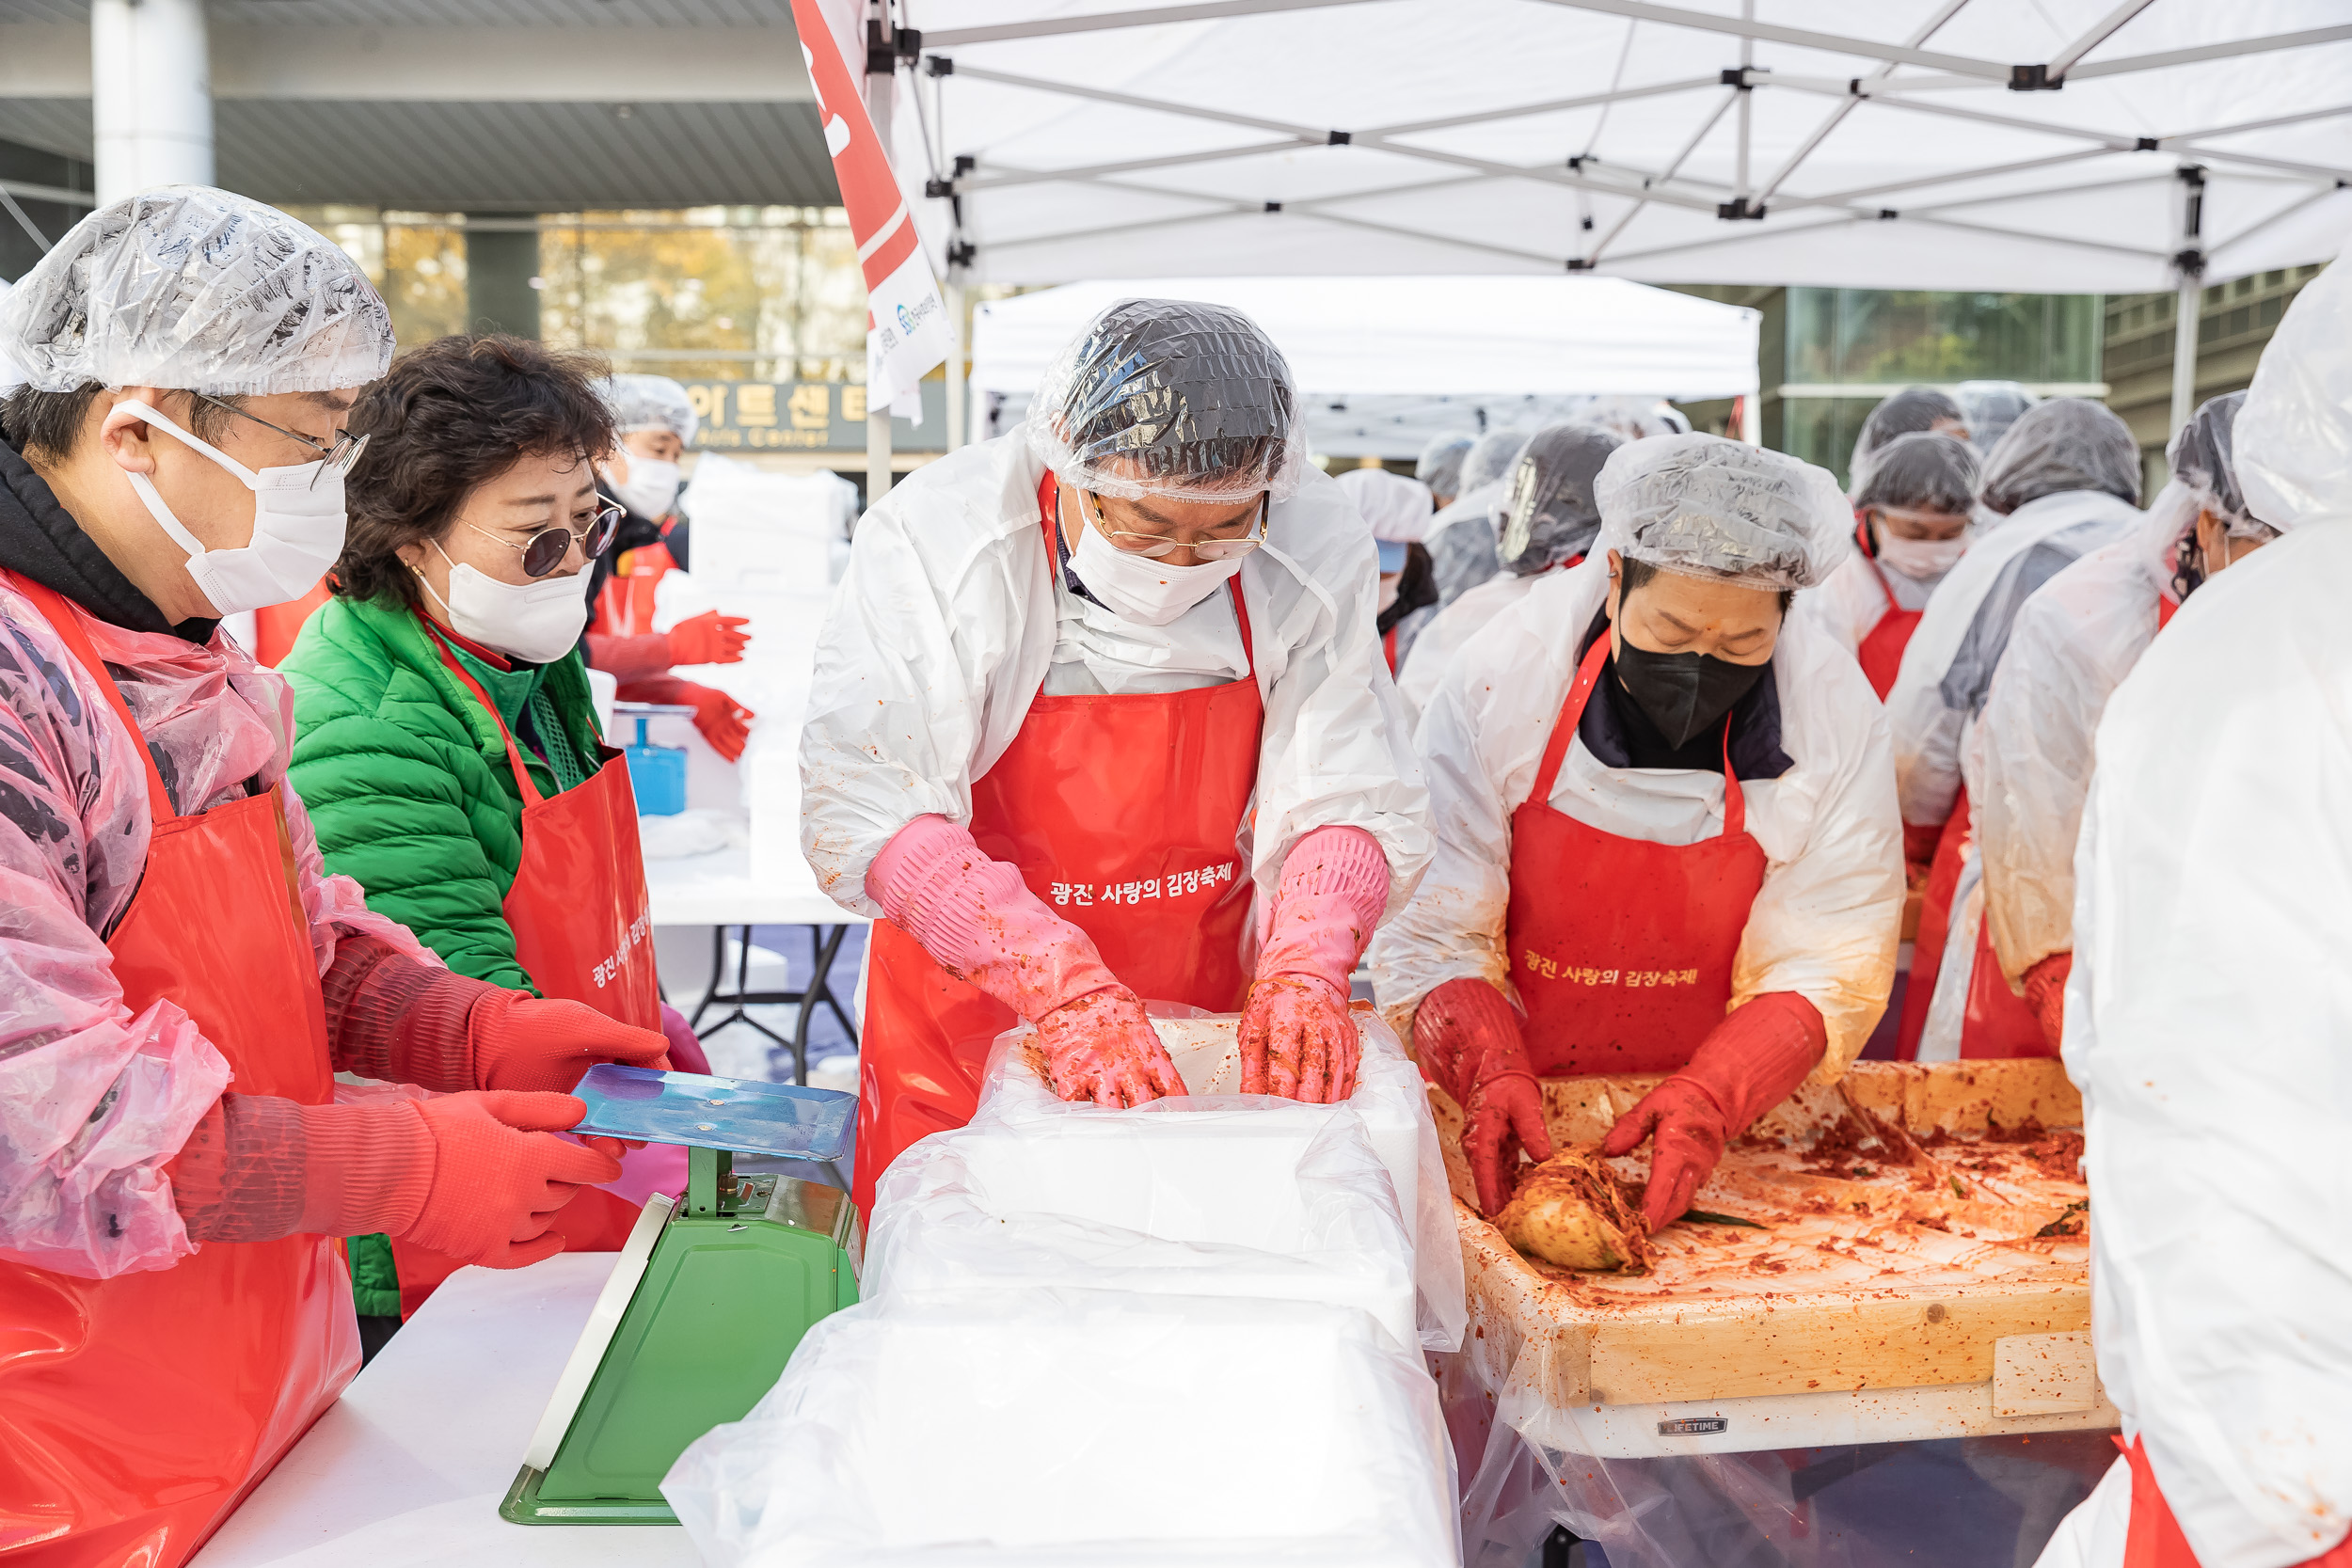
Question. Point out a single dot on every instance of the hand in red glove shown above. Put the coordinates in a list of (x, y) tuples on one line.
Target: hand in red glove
[(524, 1042), (1296, 1038), (1101, 1047), (709, 637), (1468, 1039), (2045, 993), (1748, 1063), (724, 722), (499, 1173), (1297, 1041)]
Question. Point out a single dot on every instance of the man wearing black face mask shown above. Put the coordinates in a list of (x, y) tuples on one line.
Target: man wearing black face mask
[(1667, 838)]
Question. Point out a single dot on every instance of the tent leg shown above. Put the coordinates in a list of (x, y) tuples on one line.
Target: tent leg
[(2185, 312), (956, 387)]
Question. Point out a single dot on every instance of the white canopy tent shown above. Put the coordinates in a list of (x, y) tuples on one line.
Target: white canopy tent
[(1384, 363), (2047, 146)]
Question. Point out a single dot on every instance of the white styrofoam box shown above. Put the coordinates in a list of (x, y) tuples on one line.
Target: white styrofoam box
[(1080, 1426), (762, 531)]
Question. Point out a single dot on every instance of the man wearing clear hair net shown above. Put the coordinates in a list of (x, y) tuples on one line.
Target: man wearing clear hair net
[(2073, 644), (1099, 717), (2206, 1017), (1461, 537), (657, 423), (2061, 483), (179, 982), (1658, 796), (1549, 521), (1912, 525), (1440, 468)]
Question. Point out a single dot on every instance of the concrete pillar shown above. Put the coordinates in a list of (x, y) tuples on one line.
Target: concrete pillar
[(151, 95), (501, 269)]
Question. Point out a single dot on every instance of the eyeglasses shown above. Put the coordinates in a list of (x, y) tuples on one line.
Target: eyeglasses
[(338, 458), (1158, 546), (544, 550)]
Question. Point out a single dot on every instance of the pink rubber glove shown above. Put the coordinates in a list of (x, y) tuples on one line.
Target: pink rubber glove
[(980, 923), (686, 1046), (709, 637), (1296, 1038), (1468, 1039), (629, 659), (2045, 993), (1748, 1064)]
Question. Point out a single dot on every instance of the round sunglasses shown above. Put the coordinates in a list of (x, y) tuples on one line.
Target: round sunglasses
[(544, 550)]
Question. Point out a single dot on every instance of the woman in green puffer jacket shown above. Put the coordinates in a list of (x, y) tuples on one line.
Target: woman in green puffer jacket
[(471, 509)]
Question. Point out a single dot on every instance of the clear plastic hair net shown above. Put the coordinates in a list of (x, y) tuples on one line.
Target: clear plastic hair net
[(1914, 409), (1549, 516), (649, 402), (1490, 458), (1707, 506), (2065, 444), (1924, 471), (1440, 465), (1991, 408), (1398, 508), (2294, 436), (2202, 459), (197, 290), (1173, 398), (1632, 417)]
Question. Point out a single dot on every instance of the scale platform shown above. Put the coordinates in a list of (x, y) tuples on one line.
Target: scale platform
[(708, 1298)]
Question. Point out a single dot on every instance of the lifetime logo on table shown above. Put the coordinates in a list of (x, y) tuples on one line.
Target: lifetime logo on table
[(1176, 883), (1695, 1426), (1587, 975), (610, 968)]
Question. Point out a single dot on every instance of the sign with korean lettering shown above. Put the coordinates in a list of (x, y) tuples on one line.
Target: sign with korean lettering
[(806, 415)]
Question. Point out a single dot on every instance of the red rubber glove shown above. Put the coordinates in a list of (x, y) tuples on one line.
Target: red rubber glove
[(1748, 1064), (1103, 1048), (499, 1173), (686, 1046), (1468, 1039), (524, 1042), (709, 637), (1296, 1038), (629, 659), (724, 722), (2045, 993)]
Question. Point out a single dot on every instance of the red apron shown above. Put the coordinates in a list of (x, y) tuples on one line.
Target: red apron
[(584, 931), (1122, 813), (136, 1412), (624, 606), (2153, 1539), (1999, 1025), (1881, 651), (275, 627), (1622, 949), (1387, 646)]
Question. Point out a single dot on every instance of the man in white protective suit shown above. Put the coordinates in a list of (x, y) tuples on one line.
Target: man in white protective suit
[(2207, 1015)]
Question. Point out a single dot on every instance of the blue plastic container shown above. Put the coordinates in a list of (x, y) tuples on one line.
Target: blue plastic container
[(658, 774)]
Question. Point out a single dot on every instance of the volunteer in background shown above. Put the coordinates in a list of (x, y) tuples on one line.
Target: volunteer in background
[(1912, 511), (2073, 644), (1461, 538), (1914, 410), (1440, 469), (1989, 407), (1397, 511), (1549, 521), (1093, 694), (1656, 795), (446, 739), (2206, 1020), (179, 980), (656, 423), (2062, 482)]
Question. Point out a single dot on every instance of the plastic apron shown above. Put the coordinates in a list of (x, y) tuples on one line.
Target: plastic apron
[(2000, 1026), (625, 604), (584, 931), (137, 1411), (1122, 813), (1881, 651), (1622, 949)]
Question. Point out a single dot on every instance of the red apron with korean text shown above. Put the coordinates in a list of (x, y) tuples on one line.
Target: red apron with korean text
[(1622, 949), (625, 604), (584, 932), (137, 1411), (1122, 813), (1881, 651)]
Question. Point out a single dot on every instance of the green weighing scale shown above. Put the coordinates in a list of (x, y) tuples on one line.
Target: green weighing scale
[(710, 1297)]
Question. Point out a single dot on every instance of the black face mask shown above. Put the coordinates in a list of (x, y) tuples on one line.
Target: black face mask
[(1684, 694)]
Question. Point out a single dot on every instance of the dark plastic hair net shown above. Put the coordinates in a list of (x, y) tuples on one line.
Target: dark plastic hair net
[(2204, 458), (1549, 516), (1924, 471), (2064, 444), (1910, 410), (1490, 458), (1440, 465), (1170, 396)]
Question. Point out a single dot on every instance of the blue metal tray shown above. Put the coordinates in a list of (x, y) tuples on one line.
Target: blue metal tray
[(702, 1112)]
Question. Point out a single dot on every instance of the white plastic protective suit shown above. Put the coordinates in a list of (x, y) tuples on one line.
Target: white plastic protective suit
[(1824, 923), (2072, 646), (1447, 633), (950, 620), (93, 1100)]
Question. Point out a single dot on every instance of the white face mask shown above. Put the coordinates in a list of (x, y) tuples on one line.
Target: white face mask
[(1150, 593), (537, 622), (651, 488), (1923, 560), (298, 528)]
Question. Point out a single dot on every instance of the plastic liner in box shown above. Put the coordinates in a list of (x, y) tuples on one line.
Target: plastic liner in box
[(986, 1428)]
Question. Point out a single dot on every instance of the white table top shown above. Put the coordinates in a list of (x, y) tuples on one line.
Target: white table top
[(409, 1466), (718, 888)]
